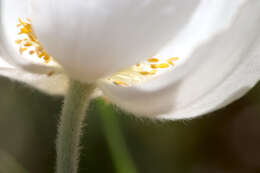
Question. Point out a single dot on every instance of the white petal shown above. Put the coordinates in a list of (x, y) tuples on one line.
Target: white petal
[(10, 11), (94, 38), (4, 64), (217, 73), (55, 84)]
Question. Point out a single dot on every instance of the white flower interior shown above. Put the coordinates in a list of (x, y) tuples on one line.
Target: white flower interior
[(27, 45)]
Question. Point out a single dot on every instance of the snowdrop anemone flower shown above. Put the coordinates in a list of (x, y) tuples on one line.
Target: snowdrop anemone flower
[(166, 59), (178, 58)]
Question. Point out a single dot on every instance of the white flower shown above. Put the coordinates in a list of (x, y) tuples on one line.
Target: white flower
[(167, 59)]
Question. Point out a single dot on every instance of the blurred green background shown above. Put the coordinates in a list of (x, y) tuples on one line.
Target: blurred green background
[(226, 141)]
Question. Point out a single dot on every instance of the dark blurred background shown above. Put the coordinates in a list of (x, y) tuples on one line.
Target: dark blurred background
[(226, 141)]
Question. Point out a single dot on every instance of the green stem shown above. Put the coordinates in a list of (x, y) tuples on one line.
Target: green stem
[(122, 159), (9, 164), (69, 130)]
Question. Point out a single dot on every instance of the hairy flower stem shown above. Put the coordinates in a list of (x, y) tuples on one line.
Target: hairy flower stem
[(69, 130)]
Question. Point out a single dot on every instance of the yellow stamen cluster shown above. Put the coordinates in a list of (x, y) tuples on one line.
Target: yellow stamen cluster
[(152, 60), (171, 60), (142, 71), (30, 41), (152, 72), (162, 65), (120, 83)]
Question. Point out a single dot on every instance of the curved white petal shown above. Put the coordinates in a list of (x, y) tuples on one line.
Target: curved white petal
[(218, 72), (55, 84), (10, 12), (94, 38)]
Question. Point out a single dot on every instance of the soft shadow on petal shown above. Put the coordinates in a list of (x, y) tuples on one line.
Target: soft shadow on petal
[(52, 83), (94, 38), (210, 79), (10, 11), (211, 17)]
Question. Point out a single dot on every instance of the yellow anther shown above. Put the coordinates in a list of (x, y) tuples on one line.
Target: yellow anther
[(31, 52), (138, 65), (46, 58), (120, 83), (32, 37), (21, 21), (27, 44), (162, 65), (148, 72), (28, 26), (21, 50), (173, 59), (40, 54), (24, 31), (18, 41), (154, 66), (170, 62), (144, 72), (153, 60)]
